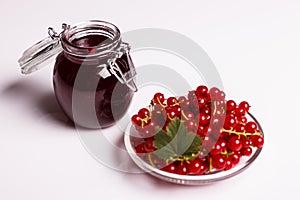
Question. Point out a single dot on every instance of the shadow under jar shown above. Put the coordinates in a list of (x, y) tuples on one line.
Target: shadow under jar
[(93, 75)]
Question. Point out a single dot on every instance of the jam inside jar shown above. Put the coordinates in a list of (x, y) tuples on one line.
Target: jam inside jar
[(93, 75), (88, 73)]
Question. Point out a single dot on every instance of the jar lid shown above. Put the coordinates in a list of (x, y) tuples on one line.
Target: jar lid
[(35, 57)]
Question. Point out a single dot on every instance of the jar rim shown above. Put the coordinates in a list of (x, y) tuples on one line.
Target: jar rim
[(91, 27)]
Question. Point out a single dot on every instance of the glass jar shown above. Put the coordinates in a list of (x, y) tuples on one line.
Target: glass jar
[(93, 74)]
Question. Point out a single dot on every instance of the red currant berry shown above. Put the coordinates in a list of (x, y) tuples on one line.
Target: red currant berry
[(195, 106), (234, 143), (151, 126), (230, 105), (201, 91), (191, 126), (208, 98), (239, 112), (203, 168), (208, 142), (177, 110), (222, 143), (250, 127), (218, 162), (149, 146), (145, 132), (194, 166), (136, 120), (242, 119), (257, 141), (206, 111), (245, 105), (139, 149), (158, 98), (171, 168), (246, 151), (245, 142), (228, 164), (189, 115), (201, 131), (214, 93), (192, 95), (217, 149), (185, 106), (239, 128), (235, 158), (230, 115), (224, 136), (219, 113), (229, 123), (181, 99), (172, 101), (221, 96), (203, 119), (217, 122), (220, 104), (182, 169), (201, 102), (197, 167), (173, 112), (144, 113)]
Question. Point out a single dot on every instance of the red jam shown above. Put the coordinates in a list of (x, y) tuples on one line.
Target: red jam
[(88, 99)]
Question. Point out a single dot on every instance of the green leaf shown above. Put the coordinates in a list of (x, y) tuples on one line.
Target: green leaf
[(176, 142)]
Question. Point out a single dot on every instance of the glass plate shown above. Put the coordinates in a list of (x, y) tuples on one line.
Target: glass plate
[(212, 177)]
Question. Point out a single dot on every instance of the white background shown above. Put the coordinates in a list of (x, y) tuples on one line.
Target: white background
[(255, 46)]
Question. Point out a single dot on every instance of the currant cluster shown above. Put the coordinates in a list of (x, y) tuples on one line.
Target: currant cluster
[(220, 130)]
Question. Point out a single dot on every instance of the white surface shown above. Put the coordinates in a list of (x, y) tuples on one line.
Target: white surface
[(255, 46)]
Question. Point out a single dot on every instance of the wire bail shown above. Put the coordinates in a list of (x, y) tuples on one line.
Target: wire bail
[(128, 77)]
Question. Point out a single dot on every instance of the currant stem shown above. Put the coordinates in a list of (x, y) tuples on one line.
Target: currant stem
[(183, 114), (150, 160), (241, 133), (210, 164), (162, 105), (215, 107), (169, 117), (183, 158), (226, 153), (145, 120)]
